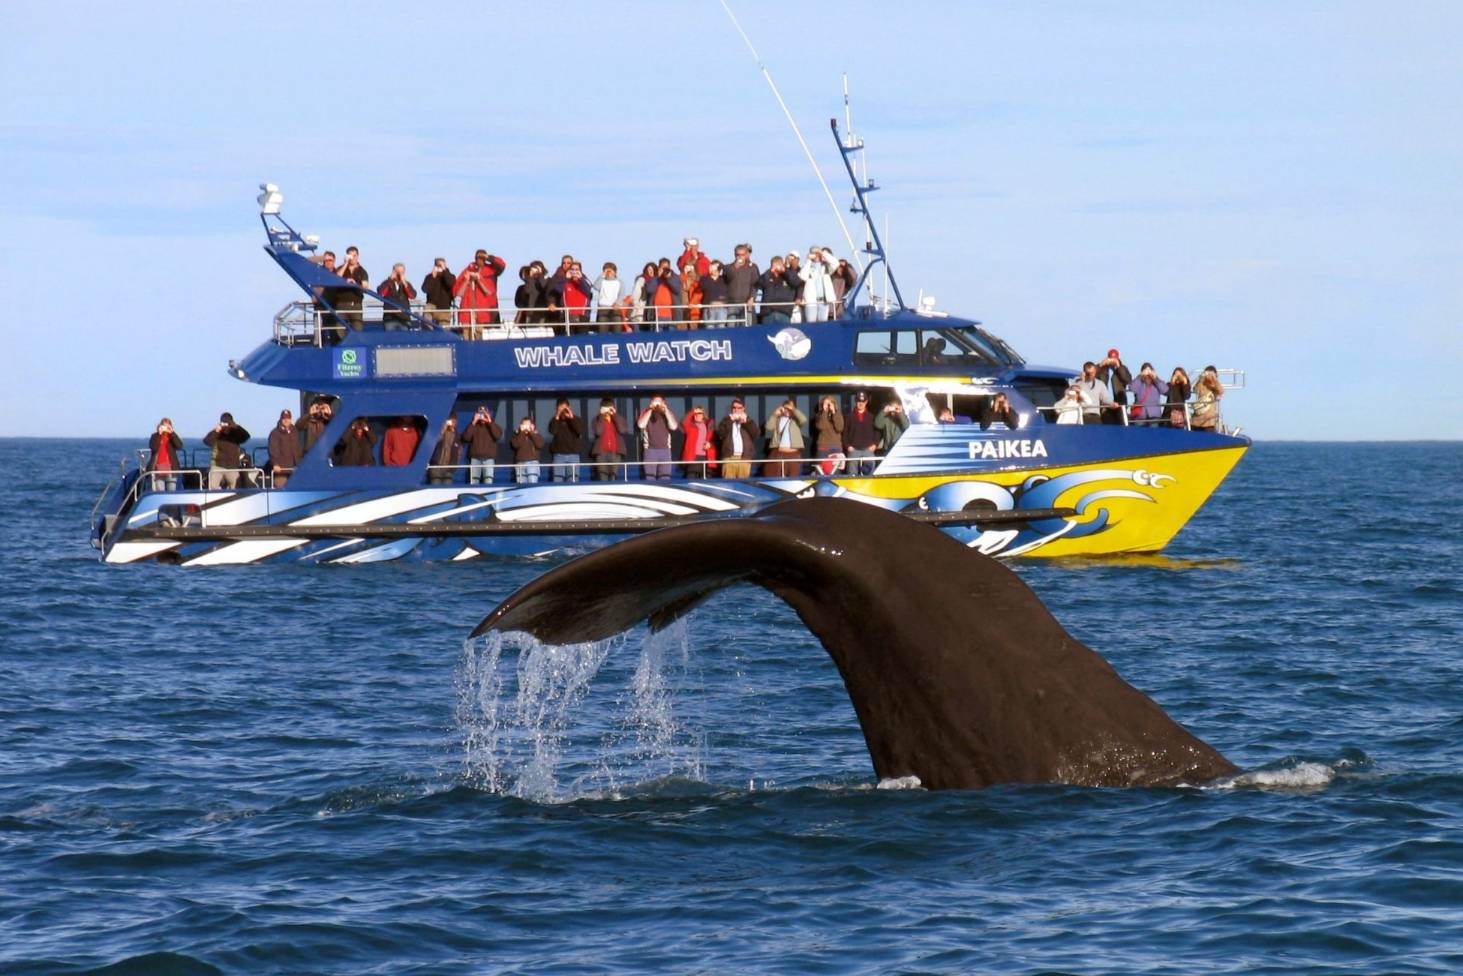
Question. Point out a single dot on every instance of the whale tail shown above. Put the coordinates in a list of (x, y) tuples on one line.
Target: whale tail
[(958, 673)]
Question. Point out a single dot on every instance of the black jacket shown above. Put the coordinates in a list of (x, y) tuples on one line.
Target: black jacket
[(357, 451), (713, 290), (740, 282), (481, 440), (174, 441), (778, 288), (227, 446), (1118, 377), (566, 436), (438, 288), (751, 433)]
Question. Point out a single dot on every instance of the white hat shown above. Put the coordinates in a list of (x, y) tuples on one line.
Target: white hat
[(691, 242), (794, 254)]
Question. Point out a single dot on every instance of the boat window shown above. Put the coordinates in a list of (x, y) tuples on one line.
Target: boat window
[(959, 346), (1041, 391), (906, 348), (873, 349), (393, 441)]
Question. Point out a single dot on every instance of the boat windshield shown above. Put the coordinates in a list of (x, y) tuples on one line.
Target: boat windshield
[(974, 341)]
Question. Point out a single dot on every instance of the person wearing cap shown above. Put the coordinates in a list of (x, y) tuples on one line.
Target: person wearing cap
[(737, 435), (860, 439), (476, 290), (284, 449), (694, 253), (226, 458), (1114, 374)]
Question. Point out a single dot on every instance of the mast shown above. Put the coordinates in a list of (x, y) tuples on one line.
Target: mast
[(875, 248)]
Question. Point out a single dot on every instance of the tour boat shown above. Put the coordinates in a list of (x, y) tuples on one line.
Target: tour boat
[(1041, 489)]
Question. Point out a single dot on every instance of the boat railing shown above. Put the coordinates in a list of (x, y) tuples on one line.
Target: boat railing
[(541, 472), (1115, 413), (304, 323)]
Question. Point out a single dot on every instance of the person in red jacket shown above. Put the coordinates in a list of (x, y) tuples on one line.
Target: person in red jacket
[(573, 297), (694, 253), (699, 450), (400, 444), (476, 290)]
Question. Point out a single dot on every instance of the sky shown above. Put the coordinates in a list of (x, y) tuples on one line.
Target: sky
[(1270, 186)]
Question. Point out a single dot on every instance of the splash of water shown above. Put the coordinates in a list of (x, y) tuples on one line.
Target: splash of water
[(525, 727)]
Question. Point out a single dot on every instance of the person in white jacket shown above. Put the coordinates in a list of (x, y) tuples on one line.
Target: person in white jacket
[(608, 290), (818, 295), (1069, 407)]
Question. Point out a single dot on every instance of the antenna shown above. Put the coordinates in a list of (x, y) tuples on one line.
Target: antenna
[(875, 250), (837, 212)]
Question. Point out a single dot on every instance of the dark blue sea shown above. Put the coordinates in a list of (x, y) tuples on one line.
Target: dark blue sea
[(284, 769)]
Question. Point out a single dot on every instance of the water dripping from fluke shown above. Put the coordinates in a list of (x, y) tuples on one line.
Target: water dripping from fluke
[(532, 724)]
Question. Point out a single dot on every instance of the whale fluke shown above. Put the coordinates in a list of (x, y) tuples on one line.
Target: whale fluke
[(958, 673)]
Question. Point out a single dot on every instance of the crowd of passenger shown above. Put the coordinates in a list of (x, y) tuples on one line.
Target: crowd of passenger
[(605, 448), (1101, 395), (785, 444), (693, 291)]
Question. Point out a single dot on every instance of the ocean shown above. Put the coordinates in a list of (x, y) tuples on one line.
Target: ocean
[(282, 769)]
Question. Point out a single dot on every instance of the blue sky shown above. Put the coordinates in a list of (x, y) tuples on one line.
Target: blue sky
[(1270, 186)]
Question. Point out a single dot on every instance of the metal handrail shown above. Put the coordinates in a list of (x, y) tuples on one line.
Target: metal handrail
[(303, 320), (626, 470)]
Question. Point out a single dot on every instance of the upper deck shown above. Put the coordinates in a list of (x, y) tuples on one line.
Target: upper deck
[(867, 346)]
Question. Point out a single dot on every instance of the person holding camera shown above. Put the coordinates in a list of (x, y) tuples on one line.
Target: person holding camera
[(828, 425), (444, 454), (817, 277), (571, 296), (1095, 395), (528, 445), (737, 434), (778, 289), (785, 444), (437, 286), (226, 462), (741, 285), (357, 449), (481, 440), (860, 439), (316, 420), (1148, 393), (891, 424), (566, 443), (1178, 396), (698, 451), (396, 294), (1068, 409), (349, 299), (656, 422), (1206, 401), (998, 411), (476, 290), (611, 436), (284, 449), (1117, 376), (165, 459)]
